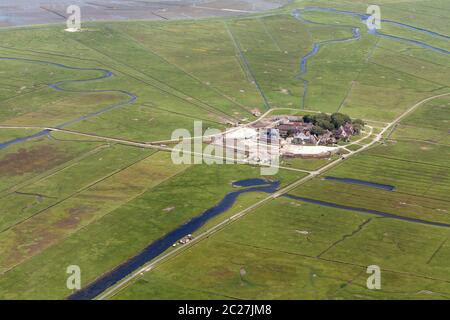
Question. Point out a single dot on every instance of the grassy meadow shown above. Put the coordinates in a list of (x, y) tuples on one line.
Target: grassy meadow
[(68, 199)]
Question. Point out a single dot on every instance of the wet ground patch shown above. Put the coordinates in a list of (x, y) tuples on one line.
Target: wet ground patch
[(36, 159)]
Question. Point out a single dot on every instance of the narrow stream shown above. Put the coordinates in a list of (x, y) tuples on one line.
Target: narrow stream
[(303, 63), (57, 86), (161, 245), (253, 185), (369, 211), (362, 183), (297, 14)]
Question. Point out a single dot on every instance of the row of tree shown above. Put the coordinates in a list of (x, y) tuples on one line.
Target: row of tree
[(323, 122)]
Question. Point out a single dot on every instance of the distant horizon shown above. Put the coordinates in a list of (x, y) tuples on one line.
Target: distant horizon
[(36, 12)]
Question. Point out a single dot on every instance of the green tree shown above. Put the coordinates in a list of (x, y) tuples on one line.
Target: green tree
[(325, 124), (318, 131), (321, 117), (339, 119), (358, 125), (308, 118)]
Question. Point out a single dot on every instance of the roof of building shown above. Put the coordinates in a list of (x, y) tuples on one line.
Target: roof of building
[(242, 133)]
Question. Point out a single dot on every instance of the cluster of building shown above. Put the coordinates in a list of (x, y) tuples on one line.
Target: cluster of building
[(288, 136), (295, 131)]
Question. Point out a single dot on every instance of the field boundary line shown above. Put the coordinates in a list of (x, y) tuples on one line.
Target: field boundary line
[(345, 236), (306, 256), (181, 114), (189, 74), (246, 65), (267, 31), (437, 250), (159, 85), (89, 185), (50, 173), (102, 216)]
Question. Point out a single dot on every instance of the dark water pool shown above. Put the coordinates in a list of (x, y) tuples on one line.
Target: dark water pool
[(250, 182), (362, 182)]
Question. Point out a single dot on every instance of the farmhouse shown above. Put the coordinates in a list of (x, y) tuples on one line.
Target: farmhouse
[(291, 136), (269, 135), (319, 129), (327, 138), (304, 138), (293, 128)]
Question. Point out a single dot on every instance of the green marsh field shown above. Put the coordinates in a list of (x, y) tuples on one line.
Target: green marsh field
[(85, 195)]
